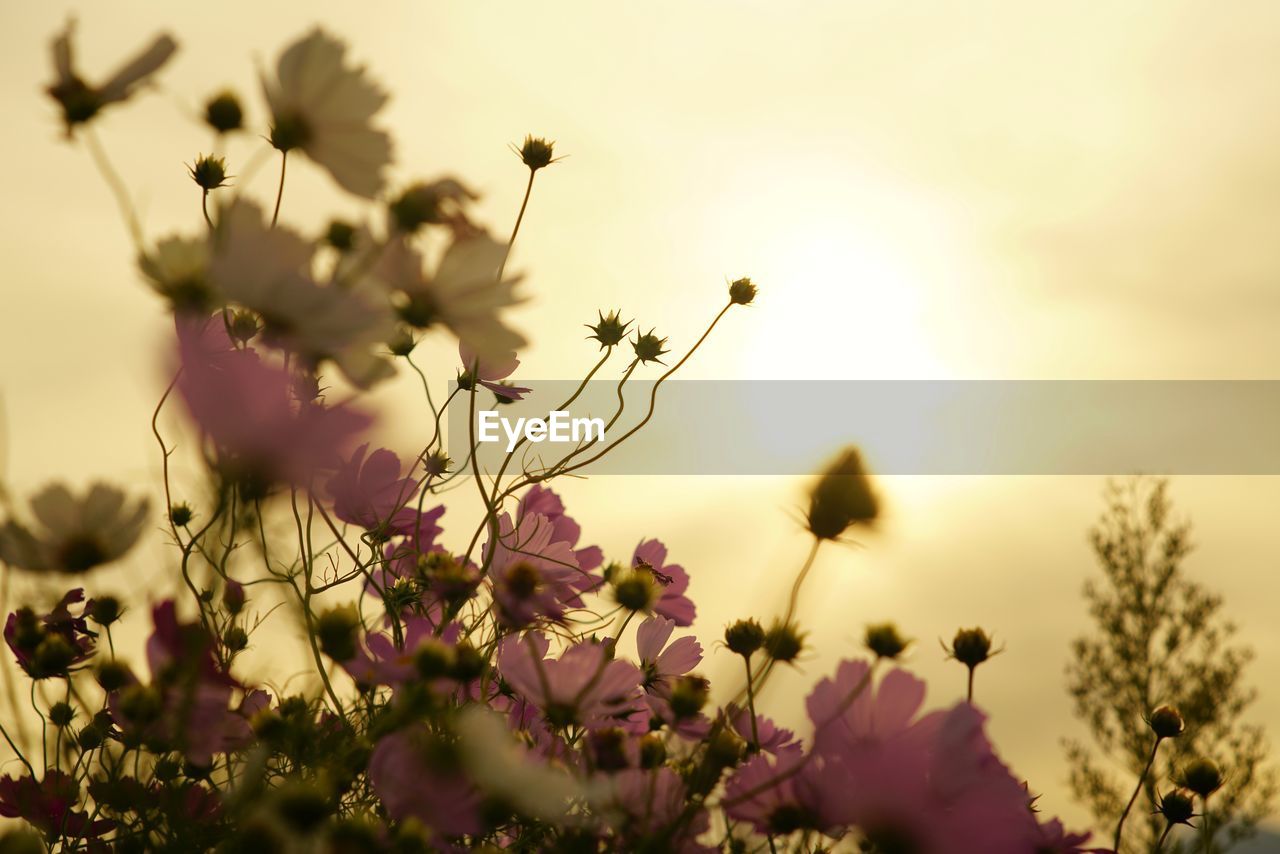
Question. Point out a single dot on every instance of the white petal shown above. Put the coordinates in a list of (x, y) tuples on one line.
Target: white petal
[(144, 65)]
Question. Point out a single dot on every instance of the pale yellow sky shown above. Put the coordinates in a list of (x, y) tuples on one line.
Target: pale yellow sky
[(978, 190)]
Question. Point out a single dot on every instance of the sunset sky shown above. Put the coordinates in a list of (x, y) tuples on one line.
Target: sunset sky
[(921, 190)]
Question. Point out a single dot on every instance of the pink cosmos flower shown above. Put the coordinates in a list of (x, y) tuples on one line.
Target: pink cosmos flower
[(583, 687), (413, 780), (533, 577), (247, 409), (661, 665), (370, 492), (49, 805), (931, 784), (488, 372), (773, 738), (381, 662), (673, 603), (544, 502), (648, 803), (778, 794), (1053, 838)]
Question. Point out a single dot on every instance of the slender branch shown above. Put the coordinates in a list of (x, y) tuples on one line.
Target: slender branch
[(1141, 779), (284, 161)]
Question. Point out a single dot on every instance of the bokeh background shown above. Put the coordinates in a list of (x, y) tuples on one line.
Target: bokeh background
[(922, 190)]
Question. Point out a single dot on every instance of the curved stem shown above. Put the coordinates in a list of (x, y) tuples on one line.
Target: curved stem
[(1138, 788), (1163, 837), (284, 161), (116, 184), (800, 577)]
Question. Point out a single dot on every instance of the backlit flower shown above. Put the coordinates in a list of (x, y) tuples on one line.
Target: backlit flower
[(488, 373), (80, 101), (583, 687), (323, 106), (673, 603), (50, 805), (370, 492), (533, 576), (73, 534)]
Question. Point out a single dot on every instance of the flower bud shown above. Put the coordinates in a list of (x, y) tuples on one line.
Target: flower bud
[(744, 637), (289, 132), (167, 769), (140, 704), (1201, 776), (417, 206), (181, 514), (54, 655), (468, 663), (90, 737), (884, 640), (536, 153), (1166, 722), (649, 347), (61, 713), (27, 632), (341, 235), (842, 497), (233, 597), (653, 751), (635, 590), (433, 659), (610, 330), (303, 805), (437, 463), (104, 610), (742, 291), (1176, 807), (243, 326), (223, 113), (209, 172), (971, 647), (235, 638), (112, 675), (402, 342), (689, 695), (783, 642), (336, 629), (724, 748)]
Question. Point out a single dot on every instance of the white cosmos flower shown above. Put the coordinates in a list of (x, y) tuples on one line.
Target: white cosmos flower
[(75, 534), (81, 101), (268, 270), (177, 269), (323, 106), (464, 294)]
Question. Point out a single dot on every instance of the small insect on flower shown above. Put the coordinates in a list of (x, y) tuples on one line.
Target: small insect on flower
[(76, 533), (80, 101)]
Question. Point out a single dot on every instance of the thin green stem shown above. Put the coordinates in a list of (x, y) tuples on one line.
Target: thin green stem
[(528, 190), (1138, 788), (800, 577)]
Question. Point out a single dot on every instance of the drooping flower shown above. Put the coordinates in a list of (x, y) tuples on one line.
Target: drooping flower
[(488, 373), (323, 106), (673, 603), (268, 270), (370, 492), (50, 805), (80, 101), (583, 687), (247, 408), (75, 534), (464, 294)]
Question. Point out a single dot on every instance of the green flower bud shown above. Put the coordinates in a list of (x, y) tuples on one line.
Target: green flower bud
[(653, 751), (433, 659), (536, 152), (842, 497), (1176, 807), (54, 655), (302, 805), (689, 695), (610, 330), (742, 291), (468, 663), (649, 347), (417, 206), (90, 737), (112, 675), (235, 638), (140, 704), (167, 769), (244, 326), (744, 637), (104, 610), (223, 113), (336, 629), (181, 514), (971, 647), (1166, 722), (724, 749), (233, 597), (290, 131), (1201, 776), (209, 172), (783, 642), (402, 343), (884, 640), (61, 714), (340, 235)]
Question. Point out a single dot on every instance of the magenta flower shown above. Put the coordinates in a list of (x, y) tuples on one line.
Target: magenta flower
[(381, 662), (488, 372), (49, 805), (648, 804), (26, 634), (414, 779), (773, 738), (661, 665), (544, 502), (583, 687), (674, 581), (247, 409), (370, 492), (779, 794), (533, 577)]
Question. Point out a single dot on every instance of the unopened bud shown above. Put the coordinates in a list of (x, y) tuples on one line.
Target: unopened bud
[(1166, 722), (783, 642), (336, 629), (1176, 807), (885, 641), (1201, 776), (223, 113), (842, 497), (744, 637), (742, 291)]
